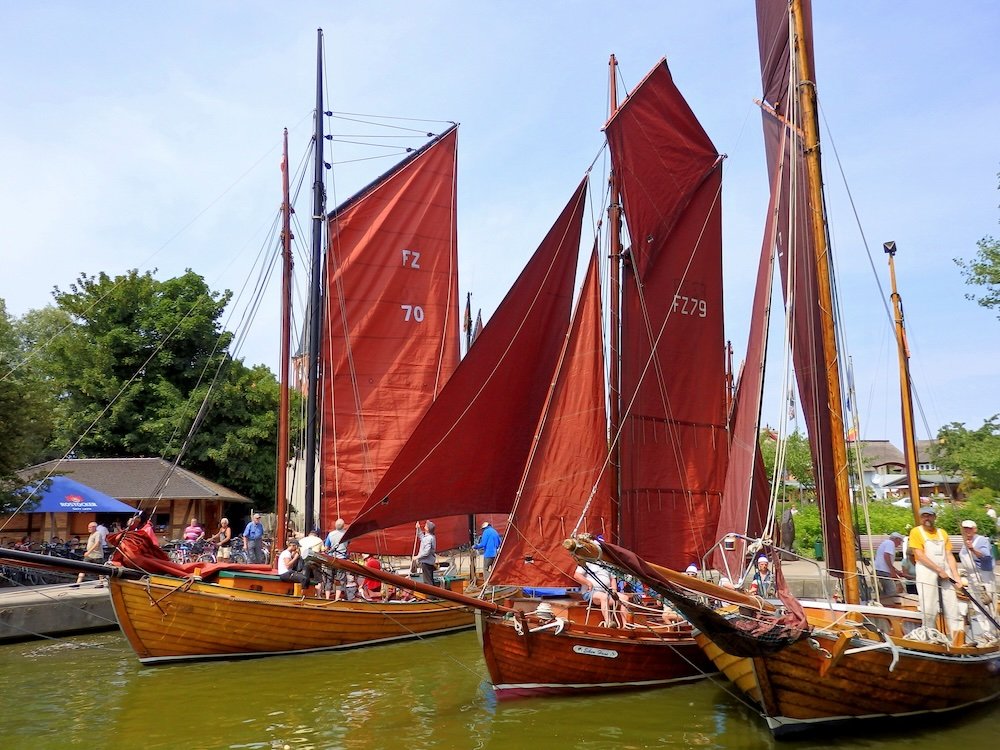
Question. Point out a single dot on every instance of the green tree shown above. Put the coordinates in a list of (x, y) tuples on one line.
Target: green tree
[(984, 271), (975, 453), (24, 412), (798, 459)]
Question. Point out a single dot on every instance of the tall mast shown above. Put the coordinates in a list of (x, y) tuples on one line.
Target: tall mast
[(906, 395), (315, 296), (818, 230), (614, 283), (286, 326)]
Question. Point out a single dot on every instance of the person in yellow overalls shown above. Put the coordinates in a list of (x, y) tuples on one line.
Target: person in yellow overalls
[(937, 573)]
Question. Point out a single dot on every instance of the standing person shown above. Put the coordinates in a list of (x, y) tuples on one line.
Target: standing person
[(193, 532), (335, 545), (976, 563), (93, 553), (489, 543), (885, 565), (762, 583), (253, 539), (311, 542), (103, 531), (224, 538), (936, 572), (427, 554)]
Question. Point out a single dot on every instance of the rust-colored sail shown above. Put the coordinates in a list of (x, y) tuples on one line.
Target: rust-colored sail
[(468, 453), (673, 432), (391, 329), (567, 462), (784, 146)]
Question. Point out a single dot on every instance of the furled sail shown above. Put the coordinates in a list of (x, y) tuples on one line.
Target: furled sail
[(673, 434), (468, 453), (568, 461), (796, 247), (391, 336)]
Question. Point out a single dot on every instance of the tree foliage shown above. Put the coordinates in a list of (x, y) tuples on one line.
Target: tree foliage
[(798, 459), (126, 365), (974, 453), (983, 271)]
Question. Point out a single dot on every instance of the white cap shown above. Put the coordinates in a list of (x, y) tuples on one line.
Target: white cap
[(485, 524), (968, 524), (691, 569)]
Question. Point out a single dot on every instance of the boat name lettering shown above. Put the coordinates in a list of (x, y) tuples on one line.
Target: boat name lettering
[(589, 651), (413, 312), (411, 259), (685, 305)]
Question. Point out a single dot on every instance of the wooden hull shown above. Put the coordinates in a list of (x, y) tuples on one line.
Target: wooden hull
[(170, 619), (584, 659), (827, 679)]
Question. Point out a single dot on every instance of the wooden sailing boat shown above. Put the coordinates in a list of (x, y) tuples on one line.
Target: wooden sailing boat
[(808, 664), (402, 230), (672, 437)]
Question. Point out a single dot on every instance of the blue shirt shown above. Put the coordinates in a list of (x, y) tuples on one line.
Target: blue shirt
[(489, 543), (254, 530)]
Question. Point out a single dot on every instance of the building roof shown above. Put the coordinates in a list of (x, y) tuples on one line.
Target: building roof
[(138, 478), (880, 453), (925, 453)]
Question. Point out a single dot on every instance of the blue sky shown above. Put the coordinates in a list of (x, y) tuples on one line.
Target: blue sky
[(141, 135)]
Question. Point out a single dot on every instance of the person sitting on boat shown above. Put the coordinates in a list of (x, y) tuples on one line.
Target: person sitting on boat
[(936, 572), (762, 583), (193, 532), (224, 538), (976, 564), (889, 578), (310, 543), (489, 543), (291, 567), (427, 554), (597, 585), (371, 588)]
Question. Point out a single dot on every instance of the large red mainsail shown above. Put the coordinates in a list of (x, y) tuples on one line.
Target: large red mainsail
[(797, 249), (673, 434), (468, 453), (568, 462), (391, 335)]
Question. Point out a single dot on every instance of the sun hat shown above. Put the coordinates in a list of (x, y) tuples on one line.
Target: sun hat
[(968, 523)]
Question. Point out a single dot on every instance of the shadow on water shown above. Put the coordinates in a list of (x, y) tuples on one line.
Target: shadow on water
[(91, 691)]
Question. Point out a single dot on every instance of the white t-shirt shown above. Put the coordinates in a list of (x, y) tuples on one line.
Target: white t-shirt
[(888, 546), (284, 560), (308, 544)]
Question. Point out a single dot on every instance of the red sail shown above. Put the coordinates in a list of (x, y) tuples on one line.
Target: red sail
[(568, 461), (391, 330), (468, 453), (673, 433), (786, 167)]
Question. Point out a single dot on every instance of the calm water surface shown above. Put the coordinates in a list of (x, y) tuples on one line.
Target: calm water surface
[(90, 691)]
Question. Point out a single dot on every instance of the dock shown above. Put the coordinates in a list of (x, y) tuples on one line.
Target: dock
[(53, 611)]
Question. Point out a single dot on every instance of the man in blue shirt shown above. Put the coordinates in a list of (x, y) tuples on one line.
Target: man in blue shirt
[(489, 543), (253, 539)]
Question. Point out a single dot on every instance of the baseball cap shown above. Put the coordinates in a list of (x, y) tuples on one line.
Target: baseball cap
[(485, 524), (896, 535), (928, 510), (968, 524)]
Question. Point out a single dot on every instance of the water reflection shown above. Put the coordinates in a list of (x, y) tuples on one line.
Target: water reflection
[(432, 694)]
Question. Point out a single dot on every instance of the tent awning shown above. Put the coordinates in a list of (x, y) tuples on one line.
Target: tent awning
[(64, 495)]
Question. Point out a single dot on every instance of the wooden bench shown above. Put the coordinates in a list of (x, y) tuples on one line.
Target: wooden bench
[(876, 539)]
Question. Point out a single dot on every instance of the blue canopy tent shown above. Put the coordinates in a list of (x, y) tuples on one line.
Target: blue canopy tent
[(64, 495)]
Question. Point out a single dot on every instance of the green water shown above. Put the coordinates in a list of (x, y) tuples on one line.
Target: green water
[(90, 691)]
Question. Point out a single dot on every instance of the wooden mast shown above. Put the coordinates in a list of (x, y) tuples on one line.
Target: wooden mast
[(614, 283), (315, 297), (818, 230), (281, 506), (906, 395)]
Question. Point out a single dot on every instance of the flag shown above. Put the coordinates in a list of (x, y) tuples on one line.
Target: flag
[(852, 435), (467, 318), (479, 325)]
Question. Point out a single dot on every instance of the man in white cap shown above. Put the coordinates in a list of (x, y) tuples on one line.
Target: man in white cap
[(763, 579), (489, 543), (976, 564), (885, 566), (936, 572)]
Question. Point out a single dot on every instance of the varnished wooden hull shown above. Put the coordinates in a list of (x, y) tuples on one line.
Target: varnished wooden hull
[(584, 659), (169, 619), (818, 682)]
